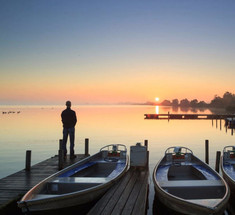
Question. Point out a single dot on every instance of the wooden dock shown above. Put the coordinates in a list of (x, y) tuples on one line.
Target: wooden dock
[(128, 196), (13, 187), (188, 116)]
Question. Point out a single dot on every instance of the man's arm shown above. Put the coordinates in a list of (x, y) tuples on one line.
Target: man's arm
[(75, 118), (62, 118)]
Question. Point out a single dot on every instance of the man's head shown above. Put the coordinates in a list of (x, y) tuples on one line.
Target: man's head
[(68, 104)]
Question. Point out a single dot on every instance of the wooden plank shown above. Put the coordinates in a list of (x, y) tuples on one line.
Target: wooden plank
[(121, 201), (129, 206), (122, 198), (121, 193), (140, 206), (105, 200)]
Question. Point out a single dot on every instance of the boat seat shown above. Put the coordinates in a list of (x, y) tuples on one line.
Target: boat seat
[(73, 184), (97, 180), (229, 162), (191, 183), (195, 189), (42, 196)]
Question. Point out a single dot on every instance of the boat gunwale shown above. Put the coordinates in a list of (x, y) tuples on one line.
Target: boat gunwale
[(226, 176), (225, 172)]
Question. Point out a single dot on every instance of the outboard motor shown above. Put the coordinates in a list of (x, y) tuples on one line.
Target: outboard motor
[(138, 155)]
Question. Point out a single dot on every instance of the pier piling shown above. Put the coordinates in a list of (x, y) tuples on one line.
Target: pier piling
[(207, 151), (218, 154), (60, 159), (28, 160), (61, 144), (60, 155), (86, 146), (146, 144)]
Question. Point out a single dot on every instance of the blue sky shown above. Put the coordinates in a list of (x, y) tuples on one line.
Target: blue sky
[(115, 51)]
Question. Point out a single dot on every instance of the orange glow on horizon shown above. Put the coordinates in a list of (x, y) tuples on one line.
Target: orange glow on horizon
[(106, 90)]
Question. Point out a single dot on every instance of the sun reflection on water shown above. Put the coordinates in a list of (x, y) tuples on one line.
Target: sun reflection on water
[(157, 109)]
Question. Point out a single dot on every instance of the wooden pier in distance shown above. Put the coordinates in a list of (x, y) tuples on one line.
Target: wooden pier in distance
[(188, 116)]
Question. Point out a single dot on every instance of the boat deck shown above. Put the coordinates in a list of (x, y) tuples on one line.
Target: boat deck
[(128, 196)]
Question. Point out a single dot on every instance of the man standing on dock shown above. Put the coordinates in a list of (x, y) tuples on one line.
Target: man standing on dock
[(69, 121)]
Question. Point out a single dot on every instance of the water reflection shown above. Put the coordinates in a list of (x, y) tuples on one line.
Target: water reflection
[(181, 109), (175, 109), (157, 109)]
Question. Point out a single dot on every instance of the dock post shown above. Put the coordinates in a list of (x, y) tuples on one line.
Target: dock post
[(146, 144), (207, 151), (60, 155), (28, 160), (218, 154), (60, 160), (61, 144), (86, 146)]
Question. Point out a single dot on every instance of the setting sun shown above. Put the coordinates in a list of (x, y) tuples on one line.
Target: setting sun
[(157, 99)]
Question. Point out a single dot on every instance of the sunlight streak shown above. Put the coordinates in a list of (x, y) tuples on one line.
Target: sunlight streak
[(157, 109)]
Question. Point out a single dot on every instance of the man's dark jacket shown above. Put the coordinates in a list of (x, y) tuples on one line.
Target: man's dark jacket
[(69, 118)]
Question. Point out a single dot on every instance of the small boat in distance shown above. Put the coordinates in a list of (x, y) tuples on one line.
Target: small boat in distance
[(228, 166), (78, 184), (187, 185)]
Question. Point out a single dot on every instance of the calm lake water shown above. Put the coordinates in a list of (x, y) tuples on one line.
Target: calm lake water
[(39, 128)]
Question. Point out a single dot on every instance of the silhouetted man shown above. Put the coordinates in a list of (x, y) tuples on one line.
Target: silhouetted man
[(69, 121)]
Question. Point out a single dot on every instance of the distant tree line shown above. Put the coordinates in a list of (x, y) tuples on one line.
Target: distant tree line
[(227, 102)]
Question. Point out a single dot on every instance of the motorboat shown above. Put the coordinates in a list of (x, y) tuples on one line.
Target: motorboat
[(79, 183), (187, 185)]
